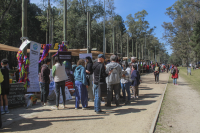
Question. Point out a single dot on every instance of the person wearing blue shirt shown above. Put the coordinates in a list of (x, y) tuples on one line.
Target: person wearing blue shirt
[(81, 85)]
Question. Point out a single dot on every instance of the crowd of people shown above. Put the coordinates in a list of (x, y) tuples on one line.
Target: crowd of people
[(92, 81), (113, 79)]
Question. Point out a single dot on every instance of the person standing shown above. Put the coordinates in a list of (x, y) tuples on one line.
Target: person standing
[(99, 77), (156, 73), (89, 72), (45, 81), (81, 85), (135, 77), (113, 80), (4, 86), (125, 81), (60, 76), (174, 72), (1, 80)]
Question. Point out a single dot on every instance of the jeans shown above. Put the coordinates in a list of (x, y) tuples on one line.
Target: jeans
[(156, 77), (97, 101), (81, 94), (175, 80), (59, 85), (126, 87), (116, 88), (44, 91)]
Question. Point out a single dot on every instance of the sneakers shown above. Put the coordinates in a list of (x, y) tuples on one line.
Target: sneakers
[(137, 96), (54, 108), (62, 107), (101, 112), (76, 108)]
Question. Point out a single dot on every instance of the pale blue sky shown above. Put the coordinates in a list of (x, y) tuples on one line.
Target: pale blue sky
[(156, 12)]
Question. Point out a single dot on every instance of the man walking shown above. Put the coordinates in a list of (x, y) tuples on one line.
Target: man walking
[(97, 68), (113, 80)]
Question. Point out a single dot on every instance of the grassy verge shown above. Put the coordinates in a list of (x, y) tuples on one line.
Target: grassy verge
[(193, 80)]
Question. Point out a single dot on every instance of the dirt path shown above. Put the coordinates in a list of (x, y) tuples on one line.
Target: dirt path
[(136, 117), (180, 110)]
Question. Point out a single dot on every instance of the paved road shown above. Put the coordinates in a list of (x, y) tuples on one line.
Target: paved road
[(136, 117)]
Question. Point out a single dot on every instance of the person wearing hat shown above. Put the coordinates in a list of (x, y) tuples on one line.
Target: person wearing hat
[(113, 80), (99, 65), (4, 86)]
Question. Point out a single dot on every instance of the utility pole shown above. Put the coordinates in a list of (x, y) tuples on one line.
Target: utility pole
[(132, 47), (105, 45), (136, 52), (88, 32), (127, 47), (104, 28), (65, 22), (121, 44), (114, 40), (155, 54), (24, 23)]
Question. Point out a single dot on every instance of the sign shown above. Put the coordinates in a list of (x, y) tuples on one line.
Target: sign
[(83, 56), (23, 45), (33, 68), (16, 94), (65, 56)]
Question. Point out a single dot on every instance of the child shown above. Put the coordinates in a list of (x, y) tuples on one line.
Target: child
[(135, 77), (4, 86)]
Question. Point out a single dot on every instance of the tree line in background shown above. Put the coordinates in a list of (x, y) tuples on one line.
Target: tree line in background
[(45, 25), (183, 33)]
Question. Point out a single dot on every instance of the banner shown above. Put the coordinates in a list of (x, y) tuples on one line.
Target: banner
[(33, 68)]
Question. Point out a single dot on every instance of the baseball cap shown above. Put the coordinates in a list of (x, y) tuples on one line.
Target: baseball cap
[(101, 56)]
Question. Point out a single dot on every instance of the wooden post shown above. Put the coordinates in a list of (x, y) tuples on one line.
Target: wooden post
[(24, 23), (65, 21)]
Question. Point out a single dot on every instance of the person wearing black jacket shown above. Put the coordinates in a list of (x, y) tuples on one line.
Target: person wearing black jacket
[(5, 87), (89, 72), (45, 81), (96, 69)]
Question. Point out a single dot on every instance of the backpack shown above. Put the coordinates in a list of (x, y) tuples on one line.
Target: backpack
[(173, 71)]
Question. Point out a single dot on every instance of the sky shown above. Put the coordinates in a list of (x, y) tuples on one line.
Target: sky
[(155, 8)]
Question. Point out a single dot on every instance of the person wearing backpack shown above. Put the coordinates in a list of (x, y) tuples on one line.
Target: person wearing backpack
[(113, 80), (1, 80), (174, 72)]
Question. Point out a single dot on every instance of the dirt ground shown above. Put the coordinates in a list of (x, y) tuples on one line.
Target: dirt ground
[(136, 117), (180, 109)]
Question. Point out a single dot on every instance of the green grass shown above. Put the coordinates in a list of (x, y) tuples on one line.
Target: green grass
[(193, 80)]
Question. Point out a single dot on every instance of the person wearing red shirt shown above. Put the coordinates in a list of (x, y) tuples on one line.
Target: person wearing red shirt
[(175, 74)]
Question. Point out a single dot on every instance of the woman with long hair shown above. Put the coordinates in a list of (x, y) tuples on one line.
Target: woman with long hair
[(81, 85), (89, 72)]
